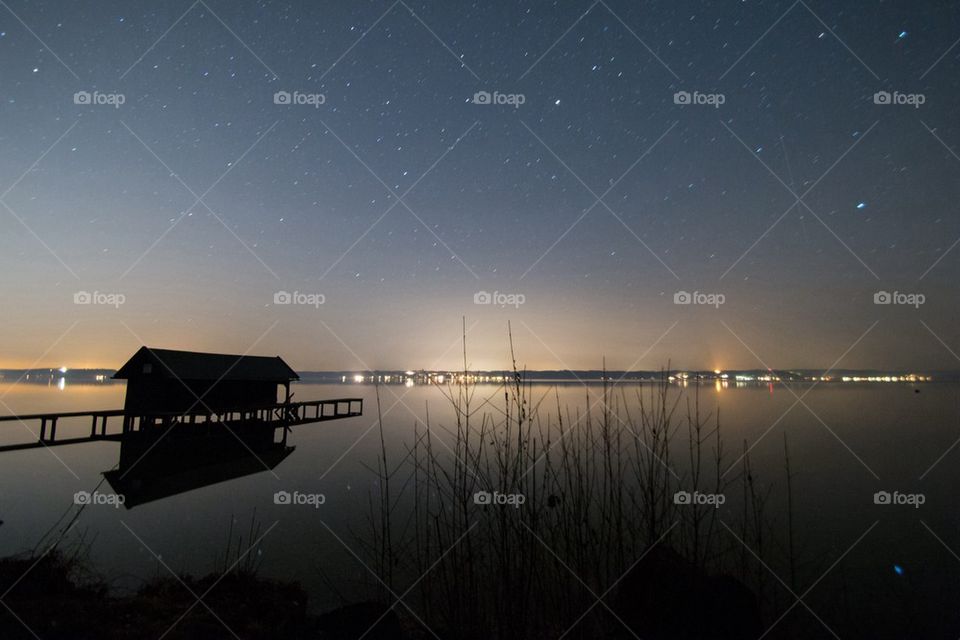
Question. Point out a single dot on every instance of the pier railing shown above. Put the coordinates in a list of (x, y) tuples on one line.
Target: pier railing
[(111, 425)]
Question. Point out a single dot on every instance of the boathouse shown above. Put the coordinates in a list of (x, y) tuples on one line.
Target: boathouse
[(165, 381), (196, 396)]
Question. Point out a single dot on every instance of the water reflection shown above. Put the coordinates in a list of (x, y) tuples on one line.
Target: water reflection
[(153, 467)]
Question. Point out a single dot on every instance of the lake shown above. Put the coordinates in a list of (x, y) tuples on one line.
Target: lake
[(898, 563)]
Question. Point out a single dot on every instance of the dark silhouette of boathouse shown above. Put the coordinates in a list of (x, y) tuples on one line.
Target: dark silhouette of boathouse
[(164, 381), (191, 396)]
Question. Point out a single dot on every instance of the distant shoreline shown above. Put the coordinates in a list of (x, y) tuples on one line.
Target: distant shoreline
[(591, 376)]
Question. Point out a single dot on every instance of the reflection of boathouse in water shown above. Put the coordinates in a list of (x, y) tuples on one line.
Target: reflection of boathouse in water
[(193, 419)]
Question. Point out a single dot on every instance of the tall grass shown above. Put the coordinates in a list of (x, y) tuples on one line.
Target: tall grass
[(598, 484)]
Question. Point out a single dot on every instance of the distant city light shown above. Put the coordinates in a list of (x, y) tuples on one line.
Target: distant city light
[(358, 378), (63, 369)]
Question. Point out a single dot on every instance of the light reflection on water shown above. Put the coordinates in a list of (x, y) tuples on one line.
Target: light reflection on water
[(839, 436)]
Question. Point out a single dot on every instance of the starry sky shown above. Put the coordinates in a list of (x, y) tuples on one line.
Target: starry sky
[(148, 157)]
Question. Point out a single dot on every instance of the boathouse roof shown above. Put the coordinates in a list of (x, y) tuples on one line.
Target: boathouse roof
[(192, 365)]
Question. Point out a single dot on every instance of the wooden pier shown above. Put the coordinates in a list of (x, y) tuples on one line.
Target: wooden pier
[(113, 425)]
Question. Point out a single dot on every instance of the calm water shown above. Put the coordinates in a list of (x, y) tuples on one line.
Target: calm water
[(888, 431)]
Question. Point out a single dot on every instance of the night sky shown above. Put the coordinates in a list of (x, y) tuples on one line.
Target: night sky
[(398, 199)]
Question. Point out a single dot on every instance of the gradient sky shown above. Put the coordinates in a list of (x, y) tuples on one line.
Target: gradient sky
[(501, 198)]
